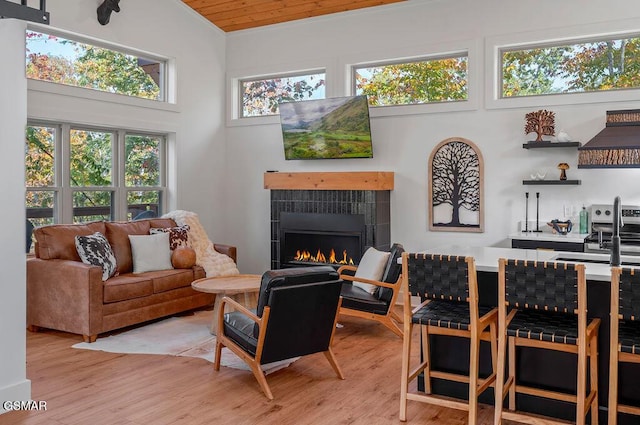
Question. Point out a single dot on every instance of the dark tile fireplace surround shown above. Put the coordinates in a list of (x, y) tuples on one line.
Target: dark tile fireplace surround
[(321, 215)]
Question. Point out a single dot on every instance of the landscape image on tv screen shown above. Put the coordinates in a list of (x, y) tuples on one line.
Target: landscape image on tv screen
[(326, 128)]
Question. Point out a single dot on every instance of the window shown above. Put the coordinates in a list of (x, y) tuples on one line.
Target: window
[(437, 79), (260, 97), (64, 61), (112, 174), (587, 66)]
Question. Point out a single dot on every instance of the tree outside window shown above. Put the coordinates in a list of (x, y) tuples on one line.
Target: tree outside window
[(411, 83), (597, 65)]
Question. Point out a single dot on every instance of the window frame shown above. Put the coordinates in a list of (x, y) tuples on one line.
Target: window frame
[(63, 204), (235, 94), (494, 46), (429, 58), (168, 86)]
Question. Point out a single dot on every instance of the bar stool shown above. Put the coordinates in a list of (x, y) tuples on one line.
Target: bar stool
[(625, 333), (451, 308), (548, 303)]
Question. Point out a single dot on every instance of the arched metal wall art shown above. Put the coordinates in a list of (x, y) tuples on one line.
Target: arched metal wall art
[(456, 187)]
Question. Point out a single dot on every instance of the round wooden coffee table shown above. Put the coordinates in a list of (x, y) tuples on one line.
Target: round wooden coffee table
[(243, 288)]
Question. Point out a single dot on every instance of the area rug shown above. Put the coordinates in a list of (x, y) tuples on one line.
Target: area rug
[(176, 336)]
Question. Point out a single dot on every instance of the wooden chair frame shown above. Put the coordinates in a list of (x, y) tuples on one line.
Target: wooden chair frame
[(254, 361), (477, 332), (587, 346), (615, 355), (391, 320)]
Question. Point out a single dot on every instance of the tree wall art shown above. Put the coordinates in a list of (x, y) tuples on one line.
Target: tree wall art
[(455, 187)]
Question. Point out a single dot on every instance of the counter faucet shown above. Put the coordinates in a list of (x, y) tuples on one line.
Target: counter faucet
[(615, 237)]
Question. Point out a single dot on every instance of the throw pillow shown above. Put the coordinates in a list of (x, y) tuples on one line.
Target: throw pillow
[(183, 257), (150, 252), (95, 250), (178, 236), (371, 267)]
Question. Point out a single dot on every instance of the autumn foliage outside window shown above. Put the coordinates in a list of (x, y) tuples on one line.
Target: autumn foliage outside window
[(261, 97), (442, 79), (598, 65), (58, 60)]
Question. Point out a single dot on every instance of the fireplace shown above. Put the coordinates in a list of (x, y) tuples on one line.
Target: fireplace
[(320, 238), (331, 210)]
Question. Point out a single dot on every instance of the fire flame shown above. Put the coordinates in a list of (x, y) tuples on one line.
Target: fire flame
[(321, 258)]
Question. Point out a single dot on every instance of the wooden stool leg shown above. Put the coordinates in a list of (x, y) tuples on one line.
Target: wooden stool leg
[(581, 383), (404, 376), (426, 353), (613, 385), (474, 358), (593, 375), (512, 372), (500, 367)]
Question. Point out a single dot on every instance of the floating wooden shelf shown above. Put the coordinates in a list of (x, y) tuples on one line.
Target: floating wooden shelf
[(533, 145), (351, 180), (551, 182)]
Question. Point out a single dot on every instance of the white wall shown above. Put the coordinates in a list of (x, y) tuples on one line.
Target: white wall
[(196, 123), (402, 143), (13, 118)]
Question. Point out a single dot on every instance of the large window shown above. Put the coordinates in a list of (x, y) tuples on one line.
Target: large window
[(437, 79), (64, 61), (587, 66), (76, 174), (260, 97)]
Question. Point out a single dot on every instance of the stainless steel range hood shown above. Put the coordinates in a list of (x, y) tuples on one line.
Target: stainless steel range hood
[(617, 146)]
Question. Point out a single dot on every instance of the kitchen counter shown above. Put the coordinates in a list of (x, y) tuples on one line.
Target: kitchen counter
[(573, 237), (596, 265)]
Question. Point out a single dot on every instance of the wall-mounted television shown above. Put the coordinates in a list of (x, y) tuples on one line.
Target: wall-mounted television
[(326, 128)]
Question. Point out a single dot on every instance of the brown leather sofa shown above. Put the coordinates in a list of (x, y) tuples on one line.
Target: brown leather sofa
[(65, 294)]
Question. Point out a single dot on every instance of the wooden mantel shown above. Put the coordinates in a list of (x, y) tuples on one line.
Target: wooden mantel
[(350, 180)]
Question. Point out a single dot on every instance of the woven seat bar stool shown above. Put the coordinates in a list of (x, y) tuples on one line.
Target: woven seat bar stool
[(625, 333), (548, 310), (448, 284)]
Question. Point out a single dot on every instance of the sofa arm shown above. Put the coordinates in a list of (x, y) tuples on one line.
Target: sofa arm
[(228, 250), (64, 295)]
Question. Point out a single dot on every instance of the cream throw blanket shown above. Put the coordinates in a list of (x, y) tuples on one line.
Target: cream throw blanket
[(213, 262)]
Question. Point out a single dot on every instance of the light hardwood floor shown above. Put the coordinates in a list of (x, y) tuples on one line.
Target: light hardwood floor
[(83, 387)]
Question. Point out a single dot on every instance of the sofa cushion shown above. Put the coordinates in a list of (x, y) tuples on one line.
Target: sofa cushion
[(96, 251), (361, 300), (127, 287), (162, 222), (167, 280), (118, 235), (58, 241), (178, 235), (150, 252), (372, 265)]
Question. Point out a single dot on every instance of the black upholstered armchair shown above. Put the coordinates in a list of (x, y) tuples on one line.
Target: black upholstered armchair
[(296, 315), (375, 304)]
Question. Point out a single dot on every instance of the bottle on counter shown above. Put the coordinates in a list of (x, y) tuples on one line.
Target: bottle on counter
[(584, 218)]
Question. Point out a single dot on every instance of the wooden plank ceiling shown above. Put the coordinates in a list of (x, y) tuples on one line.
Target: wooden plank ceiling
[(234, 15)]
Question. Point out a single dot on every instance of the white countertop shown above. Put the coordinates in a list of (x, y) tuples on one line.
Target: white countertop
[(574, 237), (487, 258)]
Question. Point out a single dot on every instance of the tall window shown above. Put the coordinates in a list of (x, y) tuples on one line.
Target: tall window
[(596, 65), (100, 175), (75, 63), (439, 79), (260, 97)]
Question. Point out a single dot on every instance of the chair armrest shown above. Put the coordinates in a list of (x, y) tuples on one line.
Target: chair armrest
[(65, 295), (228, 250), (238, 307), (349, 268), (369, 281)]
